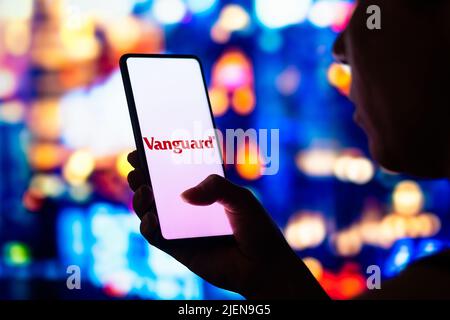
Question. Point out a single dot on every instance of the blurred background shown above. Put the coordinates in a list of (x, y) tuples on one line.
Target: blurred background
[(65, 133)]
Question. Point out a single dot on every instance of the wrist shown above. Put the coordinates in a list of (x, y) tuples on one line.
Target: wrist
[(288, 279)]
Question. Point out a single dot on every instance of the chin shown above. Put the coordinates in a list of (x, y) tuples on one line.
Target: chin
[(384, 158), (400, 161)]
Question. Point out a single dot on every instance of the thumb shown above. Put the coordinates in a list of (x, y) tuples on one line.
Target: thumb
[(218, 189), (255, 231)]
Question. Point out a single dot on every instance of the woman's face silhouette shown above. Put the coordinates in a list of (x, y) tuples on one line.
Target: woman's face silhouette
[(401, 83)]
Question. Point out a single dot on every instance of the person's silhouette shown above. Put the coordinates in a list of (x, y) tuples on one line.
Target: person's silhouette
[(400, 89)]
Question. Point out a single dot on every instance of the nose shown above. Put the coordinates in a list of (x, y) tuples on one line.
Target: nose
[(339, 53)]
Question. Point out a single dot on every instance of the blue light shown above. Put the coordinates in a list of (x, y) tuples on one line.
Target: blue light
[(270, 41), (428, 247), (71, 236), (201, 6), (400, 257), (119, 258)]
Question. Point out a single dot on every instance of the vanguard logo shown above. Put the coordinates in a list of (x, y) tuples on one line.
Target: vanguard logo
[(250, 149), (178, 145)]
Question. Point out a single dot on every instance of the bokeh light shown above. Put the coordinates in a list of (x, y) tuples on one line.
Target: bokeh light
[(46, 155), (351, 166), (339, 76), (122, 165), (232, 70), (169, 11), (288, 81), (243, 101), (12, 111), (8, 83), (49, 185), (273, 15), (219, 101), (249, 164), (65, 134), (233, 18), (44, 120), (314, 266), (305, 230), (201, 6), (317, 162), (407, 198), (16, 254), (79, 166)]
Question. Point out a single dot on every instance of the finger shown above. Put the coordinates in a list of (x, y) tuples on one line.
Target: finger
[(143, 201), (218, 189), (133, 159), (150, 229), (136, 179)]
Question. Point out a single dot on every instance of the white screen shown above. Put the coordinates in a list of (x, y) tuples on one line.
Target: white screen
[(172, 106)]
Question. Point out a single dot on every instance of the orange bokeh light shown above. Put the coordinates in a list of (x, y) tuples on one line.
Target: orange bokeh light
[(219, 101), (243, 101), (340, 77), (249, 164), (233, 70), (46, 156)]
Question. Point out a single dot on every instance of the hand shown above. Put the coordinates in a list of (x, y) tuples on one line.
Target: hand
[(258, 264)]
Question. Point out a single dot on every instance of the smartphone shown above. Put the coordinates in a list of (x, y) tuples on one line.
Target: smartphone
[(176, 140)]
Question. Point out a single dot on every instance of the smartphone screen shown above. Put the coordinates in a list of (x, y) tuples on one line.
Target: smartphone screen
[(171, 115)]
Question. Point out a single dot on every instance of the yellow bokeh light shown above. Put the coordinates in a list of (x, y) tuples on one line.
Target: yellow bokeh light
[(47, 185), (81, 192), (249, 164), (314, 266), (386, 235), (348, 242), (78, 38), (396, 224), (407, 198), (123, 34), (316, 162), (219, 35), (44, 120), (233, 70), (45, 156), (249, 171), (233, 18), (429, 224), (123, 167), (79, 166), (340, 76), (353, 168), (360, 170), (305, 230), (17, 37), (219, 101), (243, 100), (369, 231), (12, 111), (8, 83)]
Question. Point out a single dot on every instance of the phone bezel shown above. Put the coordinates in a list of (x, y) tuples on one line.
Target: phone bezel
[(139, 141)]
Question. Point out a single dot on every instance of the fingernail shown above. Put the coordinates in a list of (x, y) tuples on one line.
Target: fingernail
[(185, 195)]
